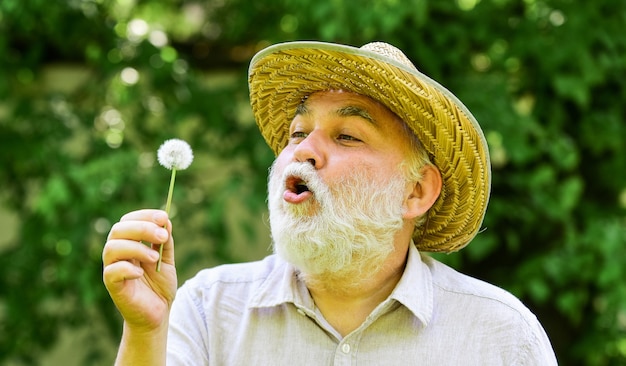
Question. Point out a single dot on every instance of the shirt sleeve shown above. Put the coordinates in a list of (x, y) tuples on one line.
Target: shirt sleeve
[(538, 349), (187, 336)]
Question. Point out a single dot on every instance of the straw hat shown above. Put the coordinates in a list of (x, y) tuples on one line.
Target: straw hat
[(281, 75)]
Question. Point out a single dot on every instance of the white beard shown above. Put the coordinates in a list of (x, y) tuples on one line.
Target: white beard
[(343, 231)]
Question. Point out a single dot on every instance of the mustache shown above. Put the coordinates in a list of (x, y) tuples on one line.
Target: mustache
[(302, 172)]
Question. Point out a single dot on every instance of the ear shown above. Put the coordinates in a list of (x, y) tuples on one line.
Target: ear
[(423, 194)]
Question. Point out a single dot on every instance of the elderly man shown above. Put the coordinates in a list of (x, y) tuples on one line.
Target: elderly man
[(376, 163)]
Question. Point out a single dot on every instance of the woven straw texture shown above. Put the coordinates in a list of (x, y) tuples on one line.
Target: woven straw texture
[(281, 75)]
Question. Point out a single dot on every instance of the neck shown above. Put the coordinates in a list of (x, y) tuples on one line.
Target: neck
[(346, 302), (350, 283)]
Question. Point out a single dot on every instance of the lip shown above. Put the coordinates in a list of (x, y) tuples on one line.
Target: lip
[(296, 190)]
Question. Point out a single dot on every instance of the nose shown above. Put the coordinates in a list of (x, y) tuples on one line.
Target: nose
[(311, 149)]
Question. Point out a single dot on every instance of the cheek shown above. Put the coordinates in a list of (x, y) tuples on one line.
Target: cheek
[(282, 160), (280, 163)]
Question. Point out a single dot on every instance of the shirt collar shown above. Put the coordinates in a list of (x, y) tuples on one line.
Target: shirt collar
[(282, 286), (414, 290)]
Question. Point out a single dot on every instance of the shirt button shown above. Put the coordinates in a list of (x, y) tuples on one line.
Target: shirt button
[(345, 348)]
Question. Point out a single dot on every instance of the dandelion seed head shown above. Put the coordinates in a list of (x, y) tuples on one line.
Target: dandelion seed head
[(175, 154)]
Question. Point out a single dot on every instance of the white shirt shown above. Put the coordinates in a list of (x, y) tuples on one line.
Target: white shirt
[(260, 314)]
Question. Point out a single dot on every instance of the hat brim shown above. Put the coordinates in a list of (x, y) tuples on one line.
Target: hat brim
[(281, 75)]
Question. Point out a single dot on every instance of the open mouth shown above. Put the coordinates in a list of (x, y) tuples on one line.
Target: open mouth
[(296, 190), (296, 185)]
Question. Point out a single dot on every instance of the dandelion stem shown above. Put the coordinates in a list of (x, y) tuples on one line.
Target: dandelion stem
[(170, 193), (168, 205)]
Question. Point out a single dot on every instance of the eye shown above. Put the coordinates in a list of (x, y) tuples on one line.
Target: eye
[(345, 137), (298, 135)]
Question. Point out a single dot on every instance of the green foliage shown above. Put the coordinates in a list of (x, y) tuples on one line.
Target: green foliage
[(90, 88)]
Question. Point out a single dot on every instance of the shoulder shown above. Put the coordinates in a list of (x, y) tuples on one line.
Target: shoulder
[(228, 288), (475, 297), (236, 274), (492, 314), (448, 282)]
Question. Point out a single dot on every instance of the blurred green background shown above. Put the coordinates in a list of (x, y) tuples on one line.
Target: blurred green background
[(89, 89)]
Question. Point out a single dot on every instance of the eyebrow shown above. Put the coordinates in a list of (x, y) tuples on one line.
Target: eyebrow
[(301, 109), (347, 111), (356, 111)]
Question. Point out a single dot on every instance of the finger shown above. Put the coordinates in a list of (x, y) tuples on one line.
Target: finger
[(159, 217), (167, 252), (139, 231), (127, 250), (114, 275)]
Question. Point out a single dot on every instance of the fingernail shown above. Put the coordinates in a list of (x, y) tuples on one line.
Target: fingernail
[(154, 255), (159, 217), (161, 234)]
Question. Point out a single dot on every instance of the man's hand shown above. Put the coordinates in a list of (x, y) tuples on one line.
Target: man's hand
[(142, 295)]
